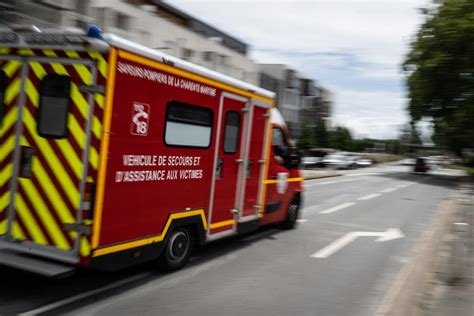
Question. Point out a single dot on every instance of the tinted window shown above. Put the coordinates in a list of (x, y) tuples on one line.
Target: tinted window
[(188, 125), (231, 132), (3, 84), (54, 106)]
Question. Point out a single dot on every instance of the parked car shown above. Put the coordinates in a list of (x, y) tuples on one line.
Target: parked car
[(311, 162), (363, 162), (338, 161)]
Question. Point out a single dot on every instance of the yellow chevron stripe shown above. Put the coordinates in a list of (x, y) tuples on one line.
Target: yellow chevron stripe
[(17, 232), (101, 62), (3, 227), (78, 99), (94, 158), (4, 200), (12, 91), (4, 50), (6, 174), (26, 52), (52, 193), (82, 70), (11, 67), (37, 69), (99, 98), (25, 215), (53, 162), (7, 148), (9, 120), (44, 214), (63, 144), (85, 247)]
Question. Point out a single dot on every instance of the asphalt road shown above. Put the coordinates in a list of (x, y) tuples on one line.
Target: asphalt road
[(339, 261)]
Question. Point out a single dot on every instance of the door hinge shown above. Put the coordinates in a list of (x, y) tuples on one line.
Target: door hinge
[(92, 89)]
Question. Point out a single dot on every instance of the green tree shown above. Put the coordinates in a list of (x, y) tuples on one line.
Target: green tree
[(307, 139), (340, 138), (321, 135), (440, 70)]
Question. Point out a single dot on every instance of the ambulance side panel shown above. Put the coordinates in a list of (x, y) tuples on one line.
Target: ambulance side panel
[(160, 154)]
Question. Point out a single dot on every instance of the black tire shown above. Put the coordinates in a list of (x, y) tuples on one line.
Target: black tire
[(292, 213), (178, 249)]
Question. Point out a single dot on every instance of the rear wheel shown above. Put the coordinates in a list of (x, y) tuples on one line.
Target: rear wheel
[(178, 249), (292, 214)]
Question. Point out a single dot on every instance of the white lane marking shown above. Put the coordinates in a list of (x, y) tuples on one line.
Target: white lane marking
[(335, 246), (336, 208), (332, 182), (363, 174), (403, 185), (301, 220), (389, 190), (327, 182), (370, 196)]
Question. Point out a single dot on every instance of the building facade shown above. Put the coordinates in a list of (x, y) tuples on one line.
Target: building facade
[(302, 102), (152, 23)]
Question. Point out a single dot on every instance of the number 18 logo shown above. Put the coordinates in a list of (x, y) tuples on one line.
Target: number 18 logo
[(140, 117)]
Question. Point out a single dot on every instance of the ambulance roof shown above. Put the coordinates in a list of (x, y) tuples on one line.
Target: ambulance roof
[(142, 50)]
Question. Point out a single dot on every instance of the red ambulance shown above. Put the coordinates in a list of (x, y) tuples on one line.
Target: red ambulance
[(113, 154)]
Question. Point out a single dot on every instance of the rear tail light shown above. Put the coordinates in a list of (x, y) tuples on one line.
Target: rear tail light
[(88, 201)]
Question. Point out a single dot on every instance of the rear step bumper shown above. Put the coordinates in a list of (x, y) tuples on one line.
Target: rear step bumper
[(33, 264)]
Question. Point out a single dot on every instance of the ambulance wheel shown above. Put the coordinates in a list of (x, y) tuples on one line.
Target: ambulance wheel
[(178, 249), (292, 213)]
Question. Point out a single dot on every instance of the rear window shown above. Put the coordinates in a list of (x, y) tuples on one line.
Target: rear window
[(54, 104), (188, 125), (3, 84)]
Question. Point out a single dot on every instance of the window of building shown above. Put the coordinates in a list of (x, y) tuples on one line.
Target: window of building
[(187, 53), (188, 125), (123, 21), (54, 104), (3, 84), (231, 132)]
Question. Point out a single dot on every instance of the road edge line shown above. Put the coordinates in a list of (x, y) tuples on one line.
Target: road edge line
[(412, 276)]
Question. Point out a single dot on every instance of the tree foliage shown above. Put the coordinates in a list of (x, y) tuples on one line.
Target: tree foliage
[(440, 69)]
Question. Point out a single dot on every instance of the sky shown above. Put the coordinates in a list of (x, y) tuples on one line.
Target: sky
[(353, 47)]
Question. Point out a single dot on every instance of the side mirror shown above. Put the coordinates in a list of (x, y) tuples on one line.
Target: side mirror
[(295, 161)]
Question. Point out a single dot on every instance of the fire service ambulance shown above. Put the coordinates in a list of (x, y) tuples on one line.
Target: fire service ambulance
[(113, 154)]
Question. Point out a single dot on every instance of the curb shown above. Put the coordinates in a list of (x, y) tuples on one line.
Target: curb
[(402, 297)]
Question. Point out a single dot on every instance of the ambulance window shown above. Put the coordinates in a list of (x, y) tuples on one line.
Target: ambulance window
[(231, 132), (188, 125), (3, 83), (54, 106), (279, 143)]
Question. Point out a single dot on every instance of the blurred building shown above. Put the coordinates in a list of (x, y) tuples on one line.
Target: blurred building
[(152, 23), (301, 101)]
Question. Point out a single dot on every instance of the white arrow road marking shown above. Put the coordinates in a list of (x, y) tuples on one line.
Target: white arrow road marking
[(335, 246), (336, 208), (302, 220), (370, 196)]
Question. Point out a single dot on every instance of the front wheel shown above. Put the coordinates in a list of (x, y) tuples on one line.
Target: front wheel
[(178, 249), (292, 214)]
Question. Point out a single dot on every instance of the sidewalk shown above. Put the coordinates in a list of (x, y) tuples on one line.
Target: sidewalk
[(439, 279), (450, 289), (317, 174)]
